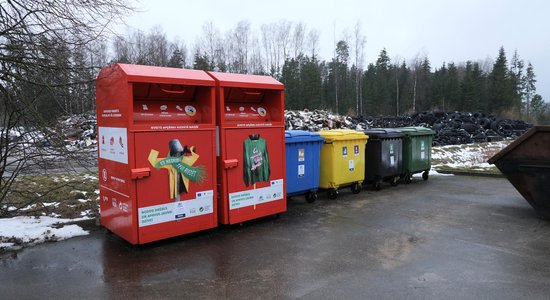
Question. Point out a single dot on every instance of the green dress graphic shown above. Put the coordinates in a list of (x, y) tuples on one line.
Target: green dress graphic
[(256, 161)]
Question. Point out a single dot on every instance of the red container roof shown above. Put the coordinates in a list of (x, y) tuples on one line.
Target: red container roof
[(139, 73), (247, 81)]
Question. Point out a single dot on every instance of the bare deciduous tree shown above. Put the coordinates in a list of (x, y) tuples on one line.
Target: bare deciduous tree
[(36, 67), (313, 42), (298, 38)]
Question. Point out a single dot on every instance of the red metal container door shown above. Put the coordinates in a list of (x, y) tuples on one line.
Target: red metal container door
[(256, 185), (178, 197)]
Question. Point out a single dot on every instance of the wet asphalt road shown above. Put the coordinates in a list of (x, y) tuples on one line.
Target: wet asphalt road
[(448, 238)]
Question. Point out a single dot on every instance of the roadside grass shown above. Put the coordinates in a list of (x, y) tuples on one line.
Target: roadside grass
[(71, 195)]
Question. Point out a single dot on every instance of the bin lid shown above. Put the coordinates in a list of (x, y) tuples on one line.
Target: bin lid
[(343, 134), (246, 81), (297, 136), (152, 74), (415, 131), (383, 133)]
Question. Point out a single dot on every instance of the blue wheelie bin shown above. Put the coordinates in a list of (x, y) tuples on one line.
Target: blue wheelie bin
[(303, 158)]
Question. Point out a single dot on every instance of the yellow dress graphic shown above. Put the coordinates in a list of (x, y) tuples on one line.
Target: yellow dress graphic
[(188, 160)]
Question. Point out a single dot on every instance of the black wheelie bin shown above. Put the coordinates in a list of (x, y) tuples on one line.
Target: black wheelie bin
[(383, 156)]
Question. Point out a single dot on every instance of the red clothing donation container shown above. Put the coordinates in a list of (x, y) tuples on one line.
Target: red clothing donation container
[(251, 149), (156, 137)]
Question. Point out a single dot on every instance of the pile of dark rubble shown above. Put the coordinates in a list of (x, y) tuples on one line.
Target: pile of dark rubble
[(450, 128)]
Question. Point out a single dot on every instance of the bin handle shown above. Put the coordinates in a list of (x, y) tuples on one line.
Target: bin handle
[(250, 93), (182, 91)]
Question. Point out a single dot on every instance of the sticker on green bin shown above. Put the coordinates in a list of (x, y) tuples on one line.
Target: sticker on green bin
[(422, 150)]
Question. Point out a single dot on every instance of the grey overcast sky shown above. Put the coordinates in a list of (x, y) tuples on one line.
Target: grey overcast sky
[(445, 31)]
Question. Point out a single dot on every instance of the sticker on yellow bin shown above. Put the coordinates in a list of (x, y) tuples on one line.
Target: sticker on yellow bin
[(342, 158)]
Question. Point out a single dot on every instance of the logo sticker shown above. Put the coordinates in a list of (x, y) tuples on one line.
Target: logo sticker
[(345, 151), (104, 174), (261, 111), (190, 110)]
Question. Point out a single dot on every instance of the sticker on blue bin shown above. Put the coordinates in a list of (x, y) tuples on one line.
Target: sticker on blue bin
[(301, 170), (301, 155)]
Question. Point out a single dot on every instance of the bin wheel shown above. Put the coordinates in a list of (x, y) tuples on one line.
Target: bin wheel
[(377, 185), (356, 188), (311, 197), (332, 193), (408, 178), (425, 175), (394, 181)]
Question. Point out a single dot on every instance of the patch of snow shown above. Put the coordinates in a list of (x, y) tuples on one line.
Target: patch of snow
[(48, 204), (83, 200), (89, 177), (34, 230), (28, 207), (470, 156), (6, 245), (432, 173)]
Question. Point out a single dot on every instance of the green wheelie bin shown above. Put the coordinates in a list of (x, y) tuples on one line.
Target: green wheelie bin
[(417, 151)]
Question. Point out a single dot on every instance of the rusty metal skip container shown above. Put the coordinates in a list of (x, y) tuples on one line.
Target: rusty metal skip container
[(526, 164)]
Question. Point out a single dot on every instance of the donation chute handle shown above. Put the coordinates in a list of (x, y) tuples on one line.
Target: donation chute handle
[(181, 91), (251, 92)]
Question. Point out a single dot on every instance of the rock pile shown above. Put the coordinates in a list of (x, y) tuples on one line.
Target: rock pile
[(450, 128)]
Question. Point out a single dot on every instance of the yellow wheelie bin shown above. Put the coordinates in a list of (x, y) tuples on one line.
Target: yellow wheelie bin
[(342, 160)]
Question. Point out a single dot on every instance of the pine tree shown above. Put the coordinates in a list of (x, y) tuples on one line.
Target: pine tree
[(201, 62), (452, 88), (371, 105), (176, 60), (290, 77), (516, 80), (500, 97), (538, 107), (424, 80), (311, 82), (529, 88), (381, 92), (439, 88)]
